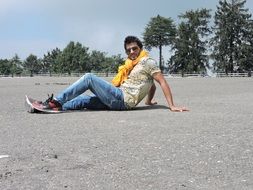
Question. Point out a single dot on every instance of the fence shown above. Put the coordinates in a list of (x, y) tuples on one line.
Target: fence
[(185, 75), (60, 75), (249, 74)]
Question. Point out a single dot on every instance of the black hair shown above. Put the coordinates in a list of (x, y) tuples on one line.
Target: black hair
[(130, 39)]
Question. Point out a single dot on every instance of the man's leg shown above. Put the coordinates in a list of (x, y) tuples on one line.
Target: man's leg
[(108, 94), (84, 101)]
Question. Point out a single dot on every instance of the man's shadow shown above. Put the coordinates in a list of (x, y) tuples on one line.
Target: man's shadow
[(153, 107), (139, 108)]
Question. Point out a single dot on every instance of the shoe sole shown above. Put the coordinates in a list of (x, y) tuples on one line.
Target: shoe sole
[(31, 107), (28, 105)]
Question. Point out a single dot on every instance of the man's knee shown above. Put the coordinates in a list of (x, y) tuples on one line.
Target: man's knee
[(88, 76)]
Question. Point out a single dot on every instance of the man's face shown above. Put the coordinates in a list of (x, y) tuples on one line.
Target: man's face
[(132, 50)]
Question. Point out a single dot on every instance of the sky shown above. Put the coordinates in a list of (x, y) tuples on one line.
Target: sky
[(38, 26)]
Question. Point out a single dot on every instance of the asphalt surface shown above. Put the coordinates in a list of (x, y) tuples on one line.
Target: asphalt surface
[(209, 147)]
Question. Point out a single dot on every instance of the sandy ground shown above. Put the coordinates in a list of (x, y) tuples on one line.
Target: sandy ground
[(210, 147)]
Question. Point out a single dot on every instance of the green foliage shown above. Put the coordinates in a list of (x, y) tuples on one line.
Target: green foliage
[(11, 67), (97, 61), (117, 60), (32, 64), (15, 65), (49, 61), (4, 67), (112, 64), (246, 53), (159, 32), (190, 45), (74, 58), (232, 43)]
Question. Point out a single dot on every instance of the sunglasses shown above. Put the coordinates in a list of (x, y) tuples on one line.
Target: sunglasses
[(128, 51)]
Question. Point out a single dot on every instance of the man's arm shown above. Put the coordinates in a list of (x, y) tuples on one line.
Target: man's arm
[(167, 92), (150, 96)]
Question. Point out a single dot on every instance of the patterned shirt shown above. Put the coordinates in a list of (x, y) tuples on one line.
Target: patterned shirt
[(139, 82)]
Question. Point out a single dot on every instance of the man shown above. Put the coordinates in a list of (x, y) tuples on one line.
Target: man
[(133, 82)]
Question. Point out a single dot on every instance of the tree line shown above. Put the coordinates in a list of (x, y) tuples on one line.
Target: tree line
[(194, 43)]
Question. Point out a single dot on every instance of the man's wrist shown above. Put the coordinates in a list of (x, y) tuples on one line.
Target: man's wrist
[(171, 107)]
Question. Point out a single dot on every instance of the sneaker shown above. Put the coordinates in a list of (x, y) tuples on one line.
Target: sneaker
[(51, 103)]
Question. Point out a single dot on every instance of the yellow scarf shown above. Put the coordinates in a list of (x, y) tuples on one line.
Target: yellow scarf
[(124, 70)]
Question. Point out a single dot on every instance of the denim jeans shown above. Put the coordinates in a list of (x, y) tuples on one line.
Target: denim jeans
[(106, 96)]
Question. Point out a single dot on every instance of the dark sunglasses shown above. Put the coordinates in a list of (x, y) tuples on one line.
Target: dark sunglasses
[(132, 48)]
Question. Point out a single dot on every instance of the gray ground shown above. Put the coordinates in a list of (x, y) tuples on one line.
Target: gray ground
[(210, 147)]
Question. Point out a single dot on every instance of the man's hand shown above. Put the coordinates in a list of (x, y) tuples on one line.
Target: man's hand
[(150, 96), (167, 92), (151, 103), (178, 109)]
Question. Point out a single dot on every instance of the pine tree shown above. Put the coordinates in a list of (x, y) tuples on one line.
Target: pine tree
[(159, 32), (191, 43), (49, 61), (32, 64), (74, 58), (16, 65), (231, 40)]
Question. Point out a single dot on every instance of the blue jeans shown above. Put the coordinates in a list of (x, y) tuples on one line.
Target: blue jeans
[(106, 96)]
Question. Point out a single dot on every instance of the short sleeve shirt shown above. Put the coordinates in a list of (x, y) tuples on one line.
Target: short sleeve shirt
[(139, 82)]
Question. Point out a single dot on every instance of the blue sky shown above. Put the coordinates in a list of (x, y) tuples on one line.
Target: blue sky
[(38, 26)]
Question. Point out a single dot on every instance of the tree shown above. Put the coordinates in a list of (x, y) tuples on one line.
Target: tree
[(111, 64), (101, 63), (97, 60), (178, 62), (32, 64), (4, 67), (117, 61), (190, 44), (49, 61), (15, 65), (159, 32), (74, 58), (246, 56), (231, 42)]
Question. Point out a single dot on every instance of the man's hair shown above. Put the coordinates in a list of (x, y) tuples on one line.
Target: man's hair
[(130, 39)]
